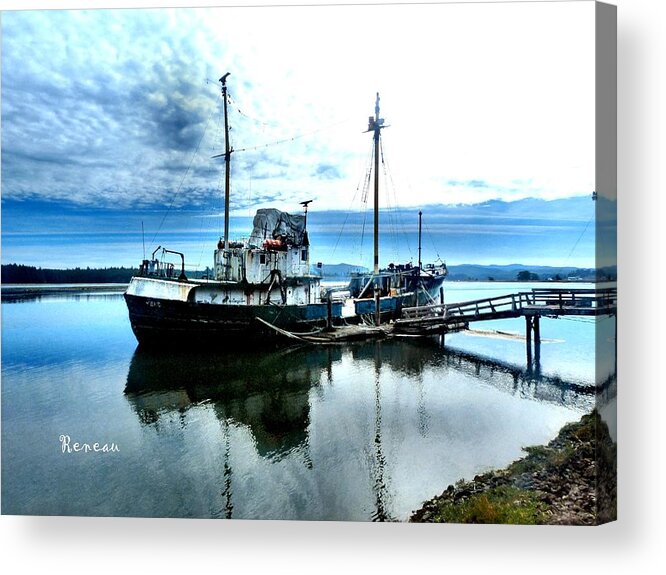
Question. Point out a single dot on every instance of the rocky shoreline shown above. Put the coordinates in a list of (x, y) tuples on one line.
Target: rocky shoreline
[(571, 481)]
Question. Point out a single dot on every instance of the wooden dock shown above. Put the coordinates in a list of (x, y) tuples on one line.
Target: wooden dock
[(441, 318)]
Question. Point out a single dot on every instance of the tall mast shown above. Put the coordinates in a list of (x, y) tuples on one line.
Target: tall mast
[(227, 161), (375, 124), (420, 214)]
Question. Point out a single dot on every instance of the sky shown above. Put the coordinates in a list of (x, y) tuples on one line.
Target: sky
[(111, 119)]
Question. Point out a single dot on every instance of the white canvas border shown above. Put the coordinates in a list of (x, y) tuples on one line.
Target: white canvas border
[(77, 545)]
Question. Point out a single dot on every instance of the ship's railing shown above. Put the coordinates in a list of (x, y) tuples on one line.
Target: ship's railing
[(163, 269)]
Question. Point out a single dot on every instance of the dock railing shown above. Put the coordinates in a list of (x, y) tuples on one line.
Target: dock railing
[(436, 309), (605, 298), (542, 301)]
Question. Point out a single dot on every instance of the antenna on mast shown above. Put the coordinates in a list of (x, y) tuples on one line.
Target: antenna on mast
[(305, 212)]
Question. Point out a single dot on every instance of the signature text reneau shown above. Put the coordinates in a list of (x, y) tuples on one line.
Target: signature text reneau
[(74, 447)]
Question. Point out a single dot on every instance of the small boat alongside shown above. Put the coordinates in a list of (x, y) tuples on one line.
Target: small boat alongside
[(263, 289)]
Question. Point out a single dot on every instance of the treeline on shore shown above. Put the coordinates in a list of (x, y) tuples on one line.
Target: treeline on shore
[(21, 274)]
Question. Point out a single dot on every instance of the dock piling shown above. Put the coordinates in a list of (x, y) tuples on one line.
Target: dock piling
[(537, 340), (528, 339), (533, 331), (329, 313)]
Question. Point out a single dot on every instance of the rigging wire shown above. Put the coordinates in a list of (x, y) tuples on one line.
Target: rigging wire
[(182, 180), (218, 189), (365, 217), (362, 182), (364, 199), (434, 246), (391, 216), (290, 139), (579, 238), (203, 245), (275, 124), (217, 142), (368, 177), (216, 196), (255, 120), (398, 229)]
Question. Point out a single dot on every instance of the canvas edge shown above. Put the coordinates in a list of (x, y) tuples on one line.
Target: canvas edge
[(606, 254)]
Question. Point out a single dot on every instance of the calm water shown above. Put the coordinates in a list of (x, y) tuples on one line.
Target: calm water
[(362, 432)]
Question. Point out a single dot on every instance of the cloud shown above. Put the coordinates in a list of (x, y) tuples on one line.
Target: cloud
[(328, 172), (469, 183), (90, 112), (121, 108)]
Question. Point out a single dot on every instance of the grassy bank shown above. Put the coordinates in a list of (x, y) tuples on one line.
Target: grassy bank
[(570, 481)]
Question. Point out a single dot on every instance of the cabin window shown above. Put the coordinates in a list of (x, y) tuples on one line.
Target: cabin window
[(304, 255), (262, 258)]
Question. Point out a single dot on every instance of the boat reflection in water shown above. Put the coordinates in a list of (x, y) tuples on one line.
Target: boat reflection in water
[(335, 432), (268, 392)]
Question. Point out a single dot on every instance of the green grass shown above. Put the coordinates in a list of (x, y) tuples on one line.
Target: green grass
[(507, 505), (577, 444)]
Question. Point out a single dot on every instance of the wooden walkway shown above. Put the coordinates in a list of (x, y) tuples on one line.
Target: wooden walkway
[(532, 305), (553, 302)]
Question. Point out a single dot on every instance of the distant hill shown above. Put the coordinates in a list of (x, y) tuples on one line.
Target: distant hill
[(474, 272)]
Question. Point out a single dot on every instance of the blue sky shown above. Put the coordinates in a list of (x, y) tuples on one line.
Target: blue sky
[(110, 118), (530, 231)]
